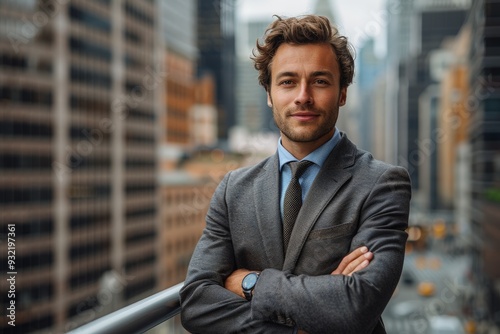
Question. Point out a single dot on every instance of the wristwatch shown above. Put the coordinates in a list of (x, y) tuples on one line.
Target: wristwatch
[(248, 284)]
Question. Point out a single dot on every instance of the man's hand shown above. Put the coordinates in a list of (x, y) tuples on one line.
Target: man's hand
[(233, 282), (357, 260)]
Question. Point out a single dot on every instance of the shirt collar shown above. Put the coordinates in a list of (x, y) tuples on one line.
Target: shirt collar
[(317, 156)]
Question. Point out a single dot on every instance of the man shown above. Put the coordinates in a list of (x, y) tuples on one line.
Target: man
[(255, 269)]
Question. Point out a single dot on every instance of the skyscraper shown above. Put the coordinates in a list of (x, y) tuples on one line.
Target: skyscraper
[(429, 24), (179, 30), (253, 113), (217, 56), (484, 135), (78, 89)]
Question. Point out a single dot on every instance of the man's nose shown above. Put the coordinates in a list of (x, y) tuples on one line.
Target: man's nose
[(304, 95)]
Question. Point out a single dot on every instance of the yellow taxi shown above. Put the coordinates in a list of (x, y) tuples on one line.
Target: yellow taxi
[(426, 289)]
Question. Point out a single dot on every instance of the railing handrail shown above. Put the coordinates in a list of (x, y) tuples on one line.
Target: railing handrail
[(138, 317)]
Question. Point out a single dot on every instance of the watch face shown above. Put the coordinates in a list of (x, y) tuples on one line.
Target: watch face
[(249, 281)]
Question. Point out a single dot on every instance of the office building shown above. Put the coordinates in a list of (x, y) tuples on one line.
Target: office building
[(253, 113), (178, 27), (369, 68), (217, 56), (78, 94), (430, 24), (483, 106), (453, 120)]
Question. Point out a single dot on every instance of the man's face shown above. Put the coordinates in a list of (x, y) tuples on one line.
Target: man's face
[(305, 94)]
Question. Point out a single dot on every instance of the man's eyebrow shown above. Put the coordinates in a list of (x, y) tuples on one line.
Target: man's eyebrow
[(322, 73), (286, 74)]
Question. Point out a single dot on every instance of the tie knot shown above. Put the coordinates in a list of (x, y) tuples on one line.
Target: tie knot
[(299, 167)]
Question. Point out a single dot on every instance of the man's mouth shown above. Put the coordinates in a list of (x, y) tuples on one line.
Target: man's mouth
[(304, 116)]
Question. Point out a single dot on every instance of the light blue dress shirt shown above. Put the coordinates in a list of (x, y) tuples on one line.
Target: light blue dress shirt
[(318, 157)]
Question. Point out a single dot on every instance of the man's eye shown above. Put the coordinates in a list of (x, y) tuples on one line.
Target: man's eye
[(286, 82)]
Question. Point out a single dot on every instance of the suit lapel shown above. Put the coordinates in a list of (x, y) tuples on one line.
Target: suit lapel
[(266, 195), (331, 177)]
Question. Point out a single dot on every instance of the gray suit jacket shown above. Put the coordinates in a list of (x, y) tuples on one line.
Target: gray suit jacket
[(355, 200)]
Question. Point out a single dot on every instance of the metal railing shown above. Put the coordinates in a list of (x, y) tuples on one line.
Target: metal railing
[(138, 317)]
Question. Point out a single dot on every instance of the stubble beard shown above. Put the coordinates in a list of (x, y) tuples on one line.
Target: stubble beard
[(305, 135)]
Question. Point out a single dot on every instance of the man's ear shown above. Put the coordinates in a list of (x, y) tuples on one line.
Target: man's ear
[(343, 96), (269, 100)]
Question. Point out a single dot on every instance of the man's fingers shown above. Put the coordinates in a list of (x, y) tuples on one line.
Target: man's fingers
[(359, 263), (360, 266), (353, 260), (350, 258)]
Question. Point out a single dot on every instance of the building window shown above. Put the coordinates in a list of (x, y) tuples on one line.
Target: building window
[(89, 48), (134, 213), (36, 294), (89, 19), (140, 188), (148, 261), (89, 220), (24, 161), (132, 138), (26, 96), (86, 278), (89, 105), (131, 62), (13, 61), (89, 77), (137, 114), (89, 249), (131, 36), (89, 191), (35, 228), (30, 262), (35, 195), (24, 129), (90, 134), (136, 163), (138, 15), (140, 237), (90, 162)]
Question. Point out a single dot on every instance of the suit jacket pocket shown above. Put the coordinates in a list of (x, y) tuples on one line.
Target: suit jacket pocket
[(324, 249), (337, 231)]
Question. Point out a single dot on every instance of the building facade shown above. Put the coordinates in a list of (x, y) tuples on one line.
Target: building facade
[(415, 28), (484, 137), (217, 56), (178, 27), (78, 89), (253, 113)]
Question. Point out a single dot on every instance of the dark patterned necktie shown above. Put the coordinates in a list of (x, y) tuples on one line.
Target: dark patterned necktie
[(293, 199)]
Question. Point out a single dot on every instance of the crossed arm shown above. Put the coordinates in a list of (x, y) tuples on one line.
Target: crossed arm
[(355, 261)]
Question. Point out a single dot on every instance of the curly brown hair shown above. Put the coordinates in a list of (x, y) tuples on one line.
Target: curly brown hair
[(307, 29)]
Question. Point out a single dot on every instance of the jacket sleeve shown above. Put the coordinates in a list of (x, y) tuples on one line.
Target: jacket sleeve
[(206, 306), (346, 304)]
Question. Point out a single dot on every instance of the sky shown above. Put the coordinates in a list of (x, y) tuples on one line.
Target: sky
[(356, 19)]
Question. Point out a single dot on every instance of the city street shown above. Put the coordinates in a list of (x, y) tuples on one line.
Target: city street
[(433, 284)]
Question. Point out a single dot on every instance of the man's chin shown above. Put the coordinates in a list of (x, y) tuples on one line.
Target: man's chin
[(302, 138), (306, 136)]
